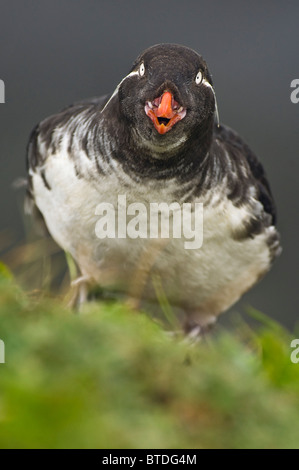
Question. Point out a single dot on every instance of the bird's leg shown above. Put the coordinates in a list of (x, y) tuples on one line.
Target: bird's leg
[(80, 292)]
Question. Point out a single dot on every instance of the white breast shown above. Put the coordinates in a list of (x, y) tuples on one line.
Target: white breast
[(204, 282)]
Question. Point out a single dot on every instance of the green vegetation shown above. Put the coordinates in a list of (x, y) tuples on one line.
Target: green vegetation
[(112, 378)]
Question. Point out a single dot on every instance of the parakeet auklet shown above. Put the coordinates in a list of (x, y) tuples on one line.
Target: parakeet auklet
[(156, 139)]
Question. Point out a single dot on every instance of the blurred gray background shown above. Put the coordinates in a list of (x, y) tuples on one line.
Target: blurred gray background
[(54, 53)]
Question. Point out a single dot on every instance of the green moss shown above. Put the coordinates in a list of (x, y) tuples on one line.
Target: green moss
[(112, 378)]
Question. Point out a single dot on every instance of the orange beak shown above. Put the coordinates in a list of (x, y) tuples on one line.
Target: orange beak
[(164, 112)]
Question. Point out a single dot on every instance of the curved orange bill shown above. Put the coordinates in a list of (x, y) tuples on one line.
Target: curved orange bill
[(165, 112)]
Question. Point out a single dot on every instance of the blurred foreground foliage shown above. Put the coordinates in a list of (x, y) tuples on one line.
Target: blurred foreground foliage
[(112, 378)]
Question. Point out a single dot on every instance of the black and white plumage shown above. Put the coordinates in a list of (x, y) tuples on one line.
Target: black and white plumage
[(156, 139)]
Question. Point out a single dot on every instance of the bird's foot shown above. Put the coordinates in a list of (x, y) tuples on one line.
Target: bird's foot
[(196, 330)]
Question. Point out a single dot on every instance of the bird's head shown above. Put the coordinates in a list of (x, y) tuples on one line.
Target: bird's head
[(167, 96)]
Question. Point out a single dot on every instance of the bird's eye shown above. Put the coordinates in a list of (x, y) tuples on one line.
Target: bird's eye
[(198, 78), (141, 70)]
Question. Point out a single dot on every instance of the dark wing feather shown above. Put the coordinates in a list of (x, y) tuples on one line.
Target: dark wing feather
[(231, 138)]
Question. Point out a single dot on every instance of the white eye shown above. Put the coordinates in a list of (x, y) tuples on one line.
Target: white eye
[(141, 70), (198, 78)]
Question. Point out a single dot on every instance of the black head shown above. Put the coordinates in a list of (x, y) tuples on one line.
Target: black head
[(167, 96)]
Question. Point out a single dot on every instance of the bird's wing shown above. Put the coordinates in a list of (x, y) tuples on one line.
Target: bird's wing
[(37, 154), (232, 139), (46, 128)]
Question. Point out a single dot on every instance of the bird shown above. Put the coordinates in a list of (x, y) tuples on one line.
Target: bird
[(156, 139)]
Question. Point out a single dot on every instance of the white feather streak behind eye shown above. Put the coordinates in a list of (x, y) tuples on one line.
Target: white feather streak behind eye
[(117, 88), (207, 84)]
